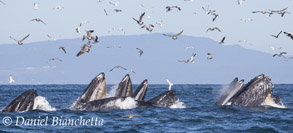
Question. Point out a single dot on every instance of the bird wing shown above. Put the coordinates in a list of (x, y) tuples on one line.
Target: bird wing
[(105, 12), (80, 53), (24, 37), (135, 20), (179, 33), (217, 29), (167, 35), (141, 16), (64, 50), (275, 55), (284, 9), (185, 61), (223, 39), (13, 38), (279, 33)]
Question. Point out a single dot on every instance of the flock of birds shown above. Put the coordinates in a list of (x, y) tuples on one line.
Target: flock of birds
[(93, 39)]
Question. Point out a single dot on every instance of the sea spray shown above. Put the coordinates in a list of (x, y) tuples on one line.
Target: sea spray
[(178, 104), (112, 91), (127, 103), (42, 104)]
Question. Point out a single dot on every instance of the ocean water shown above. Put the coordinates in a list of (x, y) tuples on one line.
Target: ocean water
[(196, 112)]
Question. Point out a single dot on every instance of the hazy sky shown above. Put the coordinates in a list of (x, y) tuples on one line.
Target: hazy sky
[(16, 16)]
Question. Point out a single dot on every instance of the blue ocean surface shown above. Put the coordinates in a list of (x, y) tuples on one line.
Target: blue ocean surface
[(198, 114)]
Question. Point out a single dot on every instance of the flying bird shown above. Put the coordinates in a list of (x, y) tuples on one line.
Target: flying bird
[(85, 48), (95, 39), (282, 12), (139, 51), (276, 36), (160, 23), (63, 49), (117, 10), (118, 67), (140, 19), (169, 8), (11, 79), (240, 2), (281, 54), (170, 84), (273, 48), (212, 29), (289, 34), (148, 28), (130, 116), (191, 59), (20, 42), (174, 37), (78, 28), (52, 37), (36, 5), (106, 13), (211, 12), (38, 20), (59, 7), (210, 56), (222, 41), (88, 35), (114, 4), (263, 12), (246, 19), (52, 59)]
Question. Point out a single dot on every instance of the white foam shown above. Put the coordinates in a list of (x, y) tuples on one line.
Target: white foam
[(271, 103), (112, 91), (74, 103), (178, 104), (42, 104), (128, 103)]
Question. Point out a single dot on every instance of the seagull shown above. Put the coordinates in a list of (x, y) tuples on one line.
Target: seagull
[(95, 39), (114, 4), (276, 36), (118, 67), (191, 59), (160, 23), (211, 12), (281, 54), (174, 37), (78, 28), (38, 20), (130, 116), (148, 28), (289, 34), (88, 35), (222, 41), (263, 12), (106, 13), (282, 12), (52, 37), (117, 10), (55, 59), (11, 79), (63, 49), (169, 8), (2, 2), (189, 47), (246, 19), (59, 7), (170, 84), (209, 56), (140, 19), (20, 42), (139, 51), (85, 48), (36, 6), (240, 2), (275, 48), (212, 29)]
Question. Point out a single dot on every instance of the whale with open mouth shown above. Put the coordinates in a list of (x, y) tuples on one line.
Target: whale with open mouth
[(257, 92), (91, 99), (28, 100)]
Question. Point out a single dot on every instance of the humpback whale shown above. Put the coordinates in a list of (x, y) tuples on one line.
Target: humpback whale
[(122, 96), (22, 103), (257, 92)]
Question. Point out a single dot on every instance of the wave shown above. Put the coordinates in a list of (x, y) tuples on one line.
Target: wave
[(178, 104), (127, 103), (42, 104)]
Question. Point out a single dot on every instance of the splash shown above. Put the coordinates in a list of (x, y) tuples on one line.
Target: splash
[(271, 103), (73, 106), (178, 104), (42, 104), (112, 91), (127, 103)]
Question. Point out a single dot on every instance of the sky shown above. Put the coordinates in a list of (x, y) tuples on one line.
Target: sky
[(61, 24), (192, 19)]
